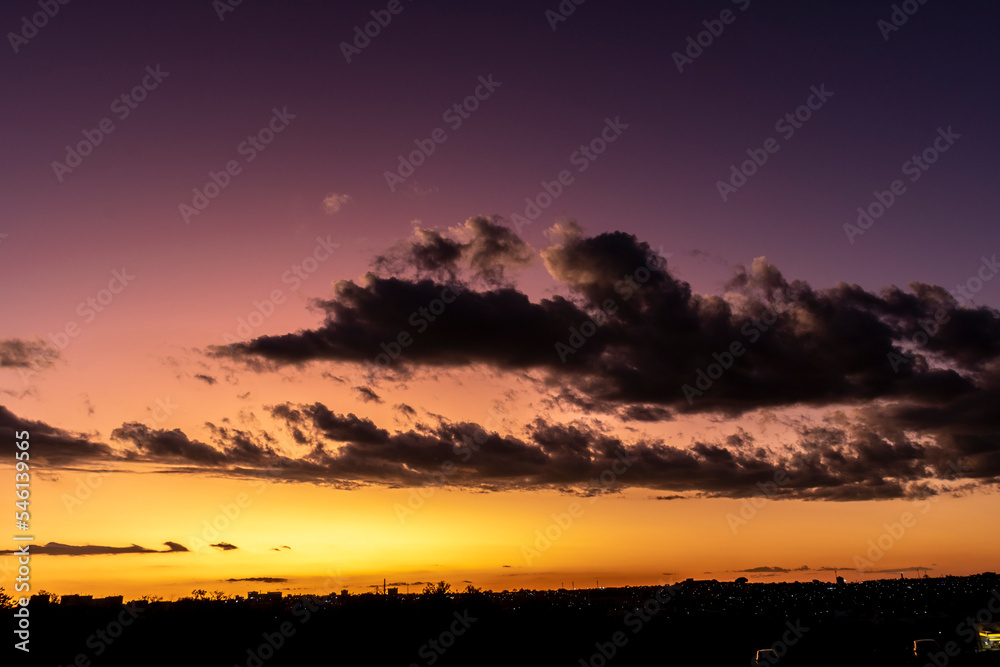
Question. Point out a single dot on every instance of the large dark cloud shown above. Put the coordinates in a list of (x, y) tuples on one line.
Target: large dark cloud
[(839, 460), (657, 343), (500, 327), (909, 379), (867, 458), (629, 339)]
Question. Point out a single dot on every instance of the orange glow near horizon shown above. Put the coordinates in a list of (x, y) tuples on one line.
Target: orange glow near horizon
[(354, 538)]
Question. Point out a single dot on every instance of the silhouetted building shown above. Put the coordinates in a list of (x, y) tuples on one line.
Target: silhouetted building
[(77, 600), (109, 601)]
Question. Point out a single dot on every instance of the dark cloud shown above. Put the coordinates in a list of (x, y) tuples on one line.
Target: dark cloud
[(766, 569), (836, 460), (922, 369), (644, 413), (18, 353), (224, 546), (482, 248), (162, 444), (242, 446), (468, 327), (654, 337), (828, 463), (367, 395), (405, 409), (54, 445), (910, 568), (207, 379), (57, 549), (266, 580)]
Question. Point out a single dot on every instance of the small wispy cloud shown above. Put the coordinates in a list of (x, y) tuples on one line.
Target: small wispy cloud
[(334, 201)]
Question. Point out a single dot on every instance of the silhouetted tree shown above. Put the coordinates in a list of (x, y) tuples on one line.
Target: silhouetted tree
[(5, 600), (199, 593), (53, 598), (219, 595), (440, 588)]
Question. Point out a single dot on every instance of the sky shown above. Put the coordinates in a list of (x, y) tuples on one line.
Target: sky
[(511, 294)]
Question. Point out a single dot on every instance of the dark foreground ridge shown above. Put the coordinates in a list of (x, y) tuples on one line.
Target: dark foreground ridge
[(689, 623)]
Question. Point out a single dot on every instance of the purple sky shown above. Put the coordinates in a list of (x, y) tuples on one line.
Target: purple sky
[(606, 60)]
